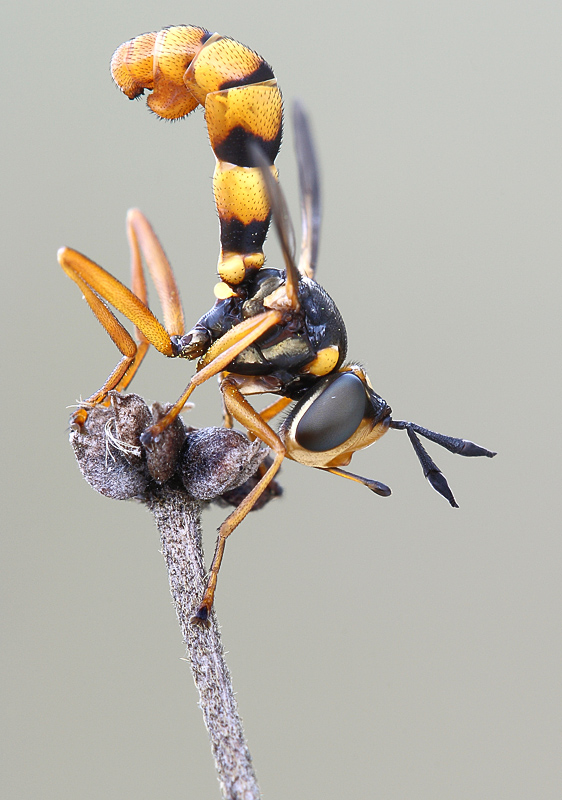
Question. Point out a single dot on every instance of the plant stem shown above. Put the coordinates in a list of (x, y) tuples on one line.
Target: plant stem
[(177, 520)]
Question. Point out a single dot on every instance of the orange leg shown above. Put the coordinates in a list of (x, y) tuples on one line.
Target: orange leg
[(217, 357), (275, 408), (375, 486), (271, 411), (116, 331), (243, 412), (227, 419), (99, 288), (266, 413), (143, 240)]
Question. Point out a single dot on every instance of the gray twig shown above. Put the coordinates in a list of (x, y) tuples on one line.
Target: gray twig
[(178, 523), (182, 469)]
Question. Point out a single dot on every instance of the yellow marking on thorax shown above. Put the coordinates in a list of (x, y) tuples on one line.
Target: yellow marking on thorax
[(222, 290), (324, 362)]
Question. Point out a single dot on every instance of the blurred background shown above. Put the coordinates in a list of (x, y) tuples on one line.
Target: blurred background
[(388, 648)]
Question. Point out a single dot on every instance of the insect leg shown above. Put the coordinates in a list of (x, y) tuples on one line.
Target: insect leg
[(375, 486), (219, 355), (144, 242), (267, 413), (120, 338), (83, 271), (227, 419), (275, 408), (99, 288), (243, 412)]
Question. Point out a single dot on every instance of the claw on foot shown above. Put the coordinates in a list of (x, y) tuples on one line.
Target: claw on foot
[(201, 617)]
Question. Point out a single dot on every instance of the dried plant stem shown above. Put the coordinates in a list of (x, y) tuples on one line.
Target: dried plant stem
[(178, 522), (180, 471)]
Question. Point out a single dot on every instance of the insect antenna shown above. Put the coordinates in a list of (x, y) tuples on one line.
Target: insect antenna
[(462, 447)]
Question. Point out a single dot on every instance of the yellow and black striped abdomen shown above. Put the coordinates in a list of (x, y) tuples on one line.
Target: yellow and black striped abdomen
[(186, 66)]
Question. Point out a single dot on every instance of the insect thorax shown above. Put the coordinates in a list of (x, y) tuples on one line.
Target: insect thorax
[(286, 349)]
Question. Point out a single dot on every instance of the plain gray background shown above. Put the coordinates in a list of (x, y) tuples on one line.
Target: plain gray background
[(387, 648)]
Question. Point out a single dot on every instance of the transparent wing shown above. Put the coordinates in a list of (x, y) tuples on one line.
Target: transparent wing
[(283, 224), (309, 179)]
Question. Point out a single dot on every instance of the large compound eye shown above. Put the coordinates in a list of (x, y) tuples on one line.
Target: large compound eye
[(334, 416)]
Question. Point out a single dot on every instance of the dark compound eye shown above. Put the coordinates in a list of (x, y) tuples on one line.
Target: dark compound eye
[(334, 416)]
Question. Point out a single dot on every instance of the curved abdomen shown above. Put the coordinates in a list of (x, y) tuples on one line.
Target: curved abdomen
[(186, 66)]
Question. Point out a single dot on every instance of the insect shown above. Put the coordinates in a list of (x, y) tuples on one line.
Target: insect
[(270, 330)]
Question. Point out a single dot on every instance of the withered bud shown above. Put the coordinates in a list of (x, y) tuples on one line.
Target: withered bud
[(206, 463)]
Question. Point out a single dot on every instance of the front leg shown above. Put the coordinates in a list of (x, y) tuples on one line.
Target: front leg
[(101, 289), (89, 278), (215, 360)]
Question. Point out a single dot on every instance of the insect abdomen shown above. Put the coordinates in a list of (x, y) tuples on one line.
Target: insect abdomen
[(185, 66)]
